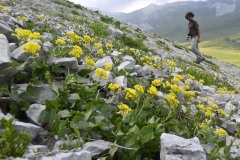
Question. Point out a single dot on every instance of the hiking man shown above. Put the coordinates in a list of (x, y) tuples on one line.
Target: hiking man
[(194, 33)]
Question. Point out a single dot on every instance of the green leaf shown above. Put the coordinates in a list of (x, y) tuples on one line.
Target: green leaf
[(64, 114), (113, 150), (30, 94), (74, 97), (49, 115), (3, 89), (83, 73), (87, 115), (82, 125), (147, 137), (63, 130), (134, 129), (14, 95)]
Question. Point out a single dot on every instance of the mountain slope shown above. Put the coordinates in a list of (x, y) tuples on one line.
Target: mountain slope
[(81, 85), (217, 18)]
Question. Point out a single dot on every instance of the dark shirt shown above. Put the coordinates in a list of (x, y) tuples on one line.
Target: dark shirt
[(192, 28)]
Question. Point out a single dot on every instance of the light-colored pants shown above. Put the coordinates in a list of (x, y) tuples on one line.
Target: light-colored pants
[(195, 48)]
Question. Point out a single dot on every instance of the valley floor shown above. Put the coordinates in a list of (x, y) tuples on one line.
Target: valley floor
[(220, 49)]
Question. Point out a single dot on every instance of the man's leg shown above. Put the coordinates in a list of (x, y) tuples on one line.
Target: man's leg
[(196, 50)]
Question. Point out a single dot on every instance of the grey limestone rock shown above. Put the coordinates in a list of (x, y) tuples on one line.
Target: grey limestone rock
[(121, 80), (34, 149), (174, 148), (29, 128), (96, 147), (126, 65), (69, 62), (5, 28), (101, 62), (4, 52), (34, 112), (116, 33)]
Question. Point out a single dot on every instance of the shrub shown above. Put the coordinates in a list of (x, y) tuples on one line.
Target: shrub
[(12, 142), (134, 43)]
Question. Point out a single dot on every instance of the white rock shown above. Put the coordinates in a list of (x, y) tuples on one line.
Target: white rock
[(29, 128), (122, 81), (34, 112), (101, 62), (126, 65)]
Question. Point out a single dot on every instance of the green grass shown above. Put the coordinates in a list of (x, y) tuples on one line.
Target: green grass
[(226, 51)]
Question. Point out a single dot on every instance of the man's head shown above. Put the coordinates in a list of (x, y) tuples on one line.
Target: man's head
[(189, 15)]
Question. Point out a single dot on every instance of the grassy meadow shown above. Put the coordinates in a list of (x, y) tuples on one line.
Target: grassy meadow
[(226, 51)]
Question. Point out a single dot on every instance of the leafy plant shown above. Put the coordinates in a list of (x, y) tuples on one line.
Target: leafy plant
[(99, 29), (134, 43), (75, 12), (12, 142)]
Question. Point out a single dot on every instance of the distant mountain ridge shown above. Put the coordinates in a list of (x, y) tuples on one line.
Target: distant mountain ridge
[(217, 18)]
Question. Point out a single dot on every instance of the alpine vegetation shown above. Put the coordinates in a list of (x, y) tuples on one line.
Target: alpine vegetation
[(75, 85)]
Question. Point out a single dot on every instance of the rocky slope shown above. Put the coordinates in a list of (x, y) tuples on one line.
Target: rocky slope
[(86, 86)]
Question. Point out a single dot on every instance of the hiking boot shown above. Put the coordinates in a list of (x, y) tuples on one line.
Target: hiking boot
[(198, 61)]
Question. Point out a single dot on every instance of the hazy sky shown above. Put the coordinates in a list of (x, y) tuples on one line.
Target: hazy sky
[(121, 5)]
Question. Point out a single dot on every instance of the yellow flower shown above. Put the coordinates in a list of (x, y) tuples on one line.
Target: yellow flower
[(153, 91), (157, 82), (214, 106), (205, 124), (22, 33), (89, 62), (176, 88), (201, 81), (171, 64), (177, 78), (75, 39), (101, 73), (131, 94), (139, 88), (191, 77), (35, 35), (171, 100), (220, 132), (100, 51), (32, 47), (220, 111), (87, 39), (114, 87), (123, 109), (60, 26), (60, 42), (76, 52), (70, 34), (187, 85), (189, 94), (108, 66), (200, 107), (166, 84), (109, 45), (7, 10), (1, 7), (41, 17), (22, 18), (121, 49), (132, 49), (98, 45), (208, 111)]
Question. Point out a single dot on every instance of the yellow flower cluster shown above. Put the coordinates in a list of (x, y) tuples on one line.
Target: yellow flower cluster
[(109, 45), (171, 64), (153, 91), (157, 82), (224, 90), (220, 111), (60, 26), (100, 51), (191, 77), (220, 132), (166, 84), (201, 81), (101, 73), (207, 110), (147, 60), (75, 39), (41, 17), (131, 94), (98, 45), (60, 42), (90, 62), (171, 100), (35, 35), (22, 33), (73, 80), (177, 78), (108, 66), (124, 109), (32, 47), (176, 88), (186, 85), (1, 7), (205, 124), (22, 18), (70, 34), (114, 87), (139, 89), (121, 50), (76, 52), (7, 10), (189, 94), (87, 39)]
